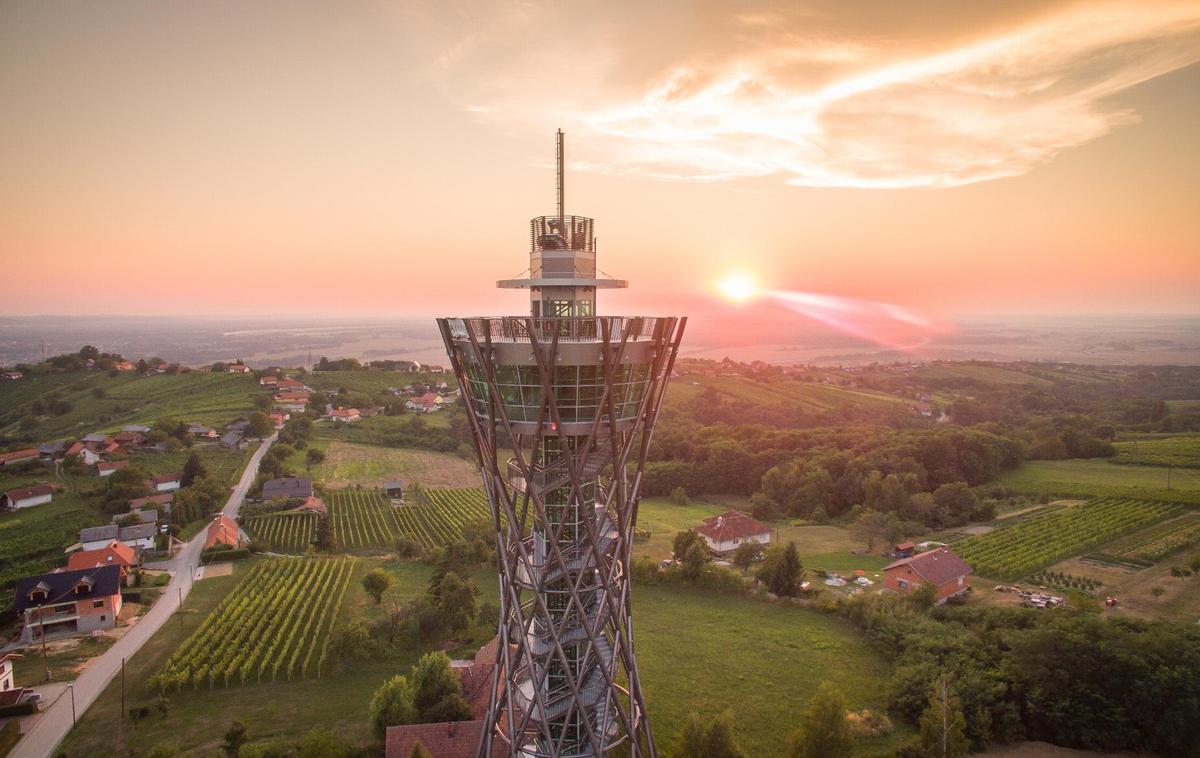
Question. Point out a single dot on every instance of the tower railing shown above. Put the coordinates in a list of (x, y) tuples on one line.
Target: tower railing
[(567, 329)]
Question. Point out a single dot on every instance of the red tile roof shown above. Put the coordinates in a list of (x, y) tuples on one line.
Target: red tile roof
[(453, 739), (116, 553), (936, 566), (732, 525), (163, 499), (222, 531), (18, 455), (27, 492), (111, 465), (164, 479)]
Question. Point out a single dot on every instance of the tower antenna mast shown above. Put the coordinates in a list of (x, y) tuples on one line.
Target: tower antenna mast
[(560, 159)]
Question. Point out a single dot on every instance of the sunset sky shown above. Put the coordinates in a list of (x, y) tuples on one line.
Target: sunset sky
[(383, 158)]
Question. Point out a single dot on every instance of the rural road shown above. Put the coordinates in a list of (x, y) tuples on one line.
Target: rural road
[(57, 719)]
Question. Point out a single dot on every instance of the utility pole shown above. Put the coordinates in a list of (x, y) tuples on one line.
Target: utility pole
[(42, 629), (179, 611), (122, 689), (71, 687)]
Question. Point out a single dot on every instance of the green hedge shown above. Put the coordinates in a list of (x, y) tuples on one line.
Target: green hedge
[(20, 709), (213, 556)]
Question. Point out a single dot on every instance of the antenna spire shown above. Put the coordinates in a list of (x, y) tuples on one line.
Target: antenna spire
[(560, 159)]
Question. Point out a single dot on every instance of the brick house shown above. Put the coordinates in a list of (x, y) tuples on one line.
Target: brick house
[(224, 531), (724, 533), (115, 553), (68, 602), (939, 567)]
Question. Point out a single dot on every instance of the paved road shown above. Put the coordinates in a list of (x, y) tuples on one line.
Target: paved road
[(52, 727)]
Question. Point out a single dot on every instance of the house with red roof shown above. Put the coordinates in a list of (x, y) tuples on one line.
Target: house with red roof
[(345, 414), (939, 567), (426, 403), (725, 533), (115, 553), (224, 531), (107, 468), (17, 457), (279, 418), (165, 482), (27, 497), (448, 739)]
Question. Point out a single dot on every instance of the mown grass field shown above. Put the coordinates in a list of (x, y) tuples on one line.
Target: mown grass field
[(213, 399), (809, 396), (348, 464), (1087, 478), (684, 640)]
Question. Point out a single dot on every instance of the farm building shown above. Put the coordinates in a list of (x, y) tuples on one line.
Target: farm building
[(27, 497), (288, 487), (394, 489), (68, 602), (164, 482), (165, 500), (107, 468), (723, 534), (939, 567), (18, 457)]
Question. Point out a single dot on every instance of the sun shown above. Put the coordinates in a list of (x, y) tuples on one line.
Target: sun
[(738, 287)]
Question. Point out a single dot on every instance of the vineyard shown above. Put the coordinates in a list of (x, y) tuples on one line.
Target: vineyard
[(366, 520), (1047, 537), (275, 623), (1149, 546)]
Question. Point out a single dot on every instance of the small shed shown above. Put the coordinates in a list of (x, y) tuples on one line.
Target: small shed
[(903, 550), (394, 489)]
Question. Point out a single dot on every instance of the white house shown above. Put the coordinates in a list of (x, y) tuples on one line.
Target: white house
[(6, 671), (164, 482), (107, 468), (427, 403), (135, 536), (27, 497), (723, 534)]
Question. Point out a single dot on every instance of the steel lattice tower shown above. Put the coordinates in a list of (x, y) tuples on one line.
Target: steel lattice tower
[(573, 397)]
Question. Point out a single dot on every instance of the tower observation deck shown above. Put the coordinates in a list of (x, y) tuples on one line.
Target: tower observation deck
[(573, 397)]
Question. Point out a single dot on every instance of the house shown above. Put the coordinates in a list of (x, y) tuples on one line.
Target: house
[(68, 602), (164, 482), (312, 504), (723, 534), (279, 419), (448, 739), (287, 385), (27, 497), (233, 441), (11, 376), (903, 550), (135, 536), (291, 402), (18, 457), (90, 457), (237, 368), (345, 414), (269, 381), (138, 428), (106, 468), (96, 441), (224, 531), (54, 450), (241, 425), (6, 670), (115, 553), (288, 487), (203, 432), (939, 567), (394, 489), (138, 516), (130, 438), (427, 403), (164, 501)]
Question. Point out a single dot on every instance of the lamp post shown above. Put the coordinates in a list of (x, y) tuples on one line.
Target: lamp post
[(71, 687)]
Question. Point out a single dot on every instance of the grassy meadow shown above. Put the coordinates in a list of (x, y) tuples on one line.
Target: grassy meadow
[(348, 464), (1098, 477)]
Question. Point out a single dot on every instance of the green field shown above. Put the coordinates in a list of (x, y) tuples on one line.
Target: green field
[(1160, 450), (1150, 545), (348, 465), (213, 399), (275, 624), (684, 639), (809, 396), (1087, 478), (223, 466), (1029, 543), (32, 539), (368, 382)]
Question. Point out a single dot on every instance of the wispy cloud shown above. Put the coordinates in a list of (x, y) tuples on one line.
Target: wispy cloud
[(830, 110)]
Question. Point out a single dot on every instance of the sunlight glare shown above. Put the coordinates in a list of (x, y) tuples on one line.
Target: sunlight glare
[(738, 287)]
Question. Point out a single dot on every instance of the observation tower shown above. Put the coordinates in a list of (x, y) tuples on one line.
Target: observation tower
[(562, 404)]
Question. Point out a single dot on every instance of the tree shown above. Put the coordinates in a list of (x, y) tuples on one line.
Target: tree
[(682, 540), (193, 469), (437, 690), (262, 402), (376, 582), (391, 705), (258, 424), (824, 730), (324, 537), (679, 496), (747, 554), (323, 743), (235, 737), (711, 738), (695, 556), (782, 571), (456, 601), (872, 525), (313, 457), (943, 726)]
